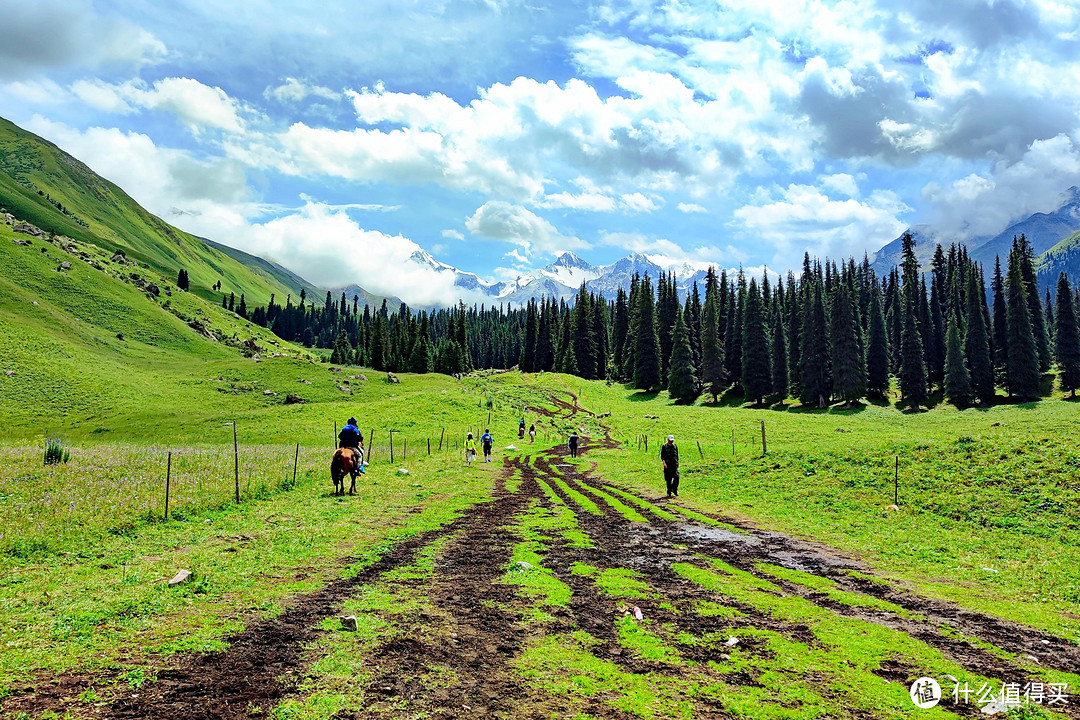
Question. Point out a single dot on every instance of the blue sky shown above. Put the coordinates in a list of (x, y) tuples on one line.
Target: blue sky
[(338, 138)]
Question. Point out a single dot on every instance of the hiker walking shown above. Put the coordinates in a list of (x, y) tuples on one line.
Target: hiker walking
[(486, 440), (532, 433), (521, 429), (669, 456), (572, 443), (470, 449)]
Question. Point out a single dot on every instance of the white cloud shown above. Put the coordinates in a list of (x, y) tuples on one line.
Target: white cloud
[(637, 202), (453, 234), (690, 208), (46, 35), (804, 218), (668, 254), (517, 225), (595, 202), (842, 183), (36, 92), (195, 105), (101, 96), (985, 204), (293, 90)]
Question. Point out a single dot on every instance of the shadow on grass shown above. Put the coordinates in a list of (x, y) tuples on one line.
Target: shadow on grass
[(643, 395)]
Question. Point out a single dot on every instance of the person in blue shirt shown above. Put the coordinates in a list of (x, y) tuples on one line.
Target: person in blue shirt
[(351, 437), (486, 440)]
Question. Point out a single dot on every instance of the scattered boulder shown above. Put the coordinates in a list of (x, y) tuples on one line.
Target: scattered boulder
[(291, 399), (997, 424), (893, 508), (652, 417), (402, 471), (348, 622), (152, 289), (9, 373), (336, 369), (24, 243), (522, 565), (180, 578), (305, 382), (28, 229), (64, 266), (732, 641), (118, 257), (269, 393), (119, 336), (392, 378), (604, 415), (343, 388)]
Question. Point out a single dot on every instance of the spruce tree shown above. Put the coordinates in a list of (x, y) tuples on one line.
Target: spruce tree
[(633, 309), (957, 378), (666, 312), (182, 279), (647, 366), (241, 308), (848, 363), (342, 352), (1067, 338), (756, 370), (712, 349), (1001, 325), (1023, 365), (682, 383), (1026, 259), (620, 330), (779, 352), (585, 346), (527, 363), (877, 349), (599, 332), (814, 369), (977, 341), (912, 358)]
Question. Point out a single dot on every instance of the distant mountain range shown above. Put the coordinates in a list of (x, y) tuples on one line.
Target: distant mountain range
[(1044, 231), (561, 279)]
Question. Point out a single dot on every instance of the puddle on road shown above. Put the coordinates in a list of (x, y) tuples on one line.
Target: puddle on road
[(704, 532)]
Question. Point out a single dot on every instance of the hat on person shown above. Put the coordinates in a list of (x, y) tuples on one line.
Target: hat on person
[(670, 437), (352, 421)]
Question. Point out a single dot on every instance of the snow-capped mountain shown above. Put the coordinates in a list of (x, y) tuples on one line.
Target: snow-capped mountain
[(561, 279)]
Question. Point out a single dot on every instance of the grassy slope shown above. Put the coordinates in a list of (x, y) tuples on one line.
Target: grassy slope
[(115, 221)]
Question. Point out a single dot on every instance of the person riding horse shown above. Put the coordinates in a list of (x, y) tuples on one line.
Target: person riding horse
[(351, 437)]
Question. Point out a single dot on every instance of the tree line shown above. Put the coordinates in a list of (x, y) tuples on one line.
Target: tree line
[(833, 333)]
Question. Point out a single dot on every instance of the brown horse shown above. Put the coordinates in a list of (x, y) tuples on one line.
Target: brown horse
[(346, 462)]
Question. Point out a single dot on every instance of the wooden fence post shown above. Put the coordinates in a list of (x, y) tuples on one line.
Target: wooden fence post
[(168, 477), (296, 460), (236, 462), (699, 449), (335, 436), (763, 446), (405, 448), (733, 441), (391, 446), (441, 433), (429, 446), (371, 440)]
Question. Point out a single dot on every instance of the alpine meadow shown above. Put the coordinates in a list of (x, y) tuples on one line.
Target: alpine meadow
[(781, 455)]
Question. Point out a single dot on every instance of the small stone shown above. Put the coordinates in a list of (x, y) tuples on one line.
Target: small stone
[(522, 565), (348, 622), (65, 265), (9, 373), (153, 289), (180, 578), (725, 656), (268, 393), (402, 471), (732, 641), (893, 508), (1032, 658), (990, 570)]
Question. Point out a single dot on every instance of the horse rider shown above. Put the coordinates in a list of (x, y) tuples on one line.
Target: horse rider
[(351, 437)]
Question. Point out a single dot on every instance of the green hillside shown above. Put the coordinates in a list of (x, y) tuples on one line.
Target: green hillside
[(43, 185), (1064, 257)]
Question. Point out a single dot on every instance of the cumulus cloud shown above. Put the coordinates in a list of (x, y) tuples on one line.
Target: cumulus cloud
[(668, 254), (803, 218), (47, 35), (195, 105), (690, 208), (983, 204), (519, 226), (453, 234), (293, 90)]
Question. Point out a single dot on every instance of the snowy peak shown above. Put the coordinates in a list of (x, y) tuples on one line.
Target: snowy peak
[(570, 270), (570, 261)]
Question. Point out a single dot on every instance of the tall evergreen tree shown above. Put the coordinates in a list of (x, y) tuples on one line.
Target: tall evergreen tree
[(1067, 338), (599, 332), (877, 347), (779, 351), (343, 351), (848, 363), (647, 367), (1026, 260), (977, 341), (182, 279), (620, 330), (957, 378), (682, 383), (1001, 325), (912, 362), (712, 348), (532, 330), (585, 346), (814, 371), (1023, 365), (666, 312), (756, 371), (545, 340)]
